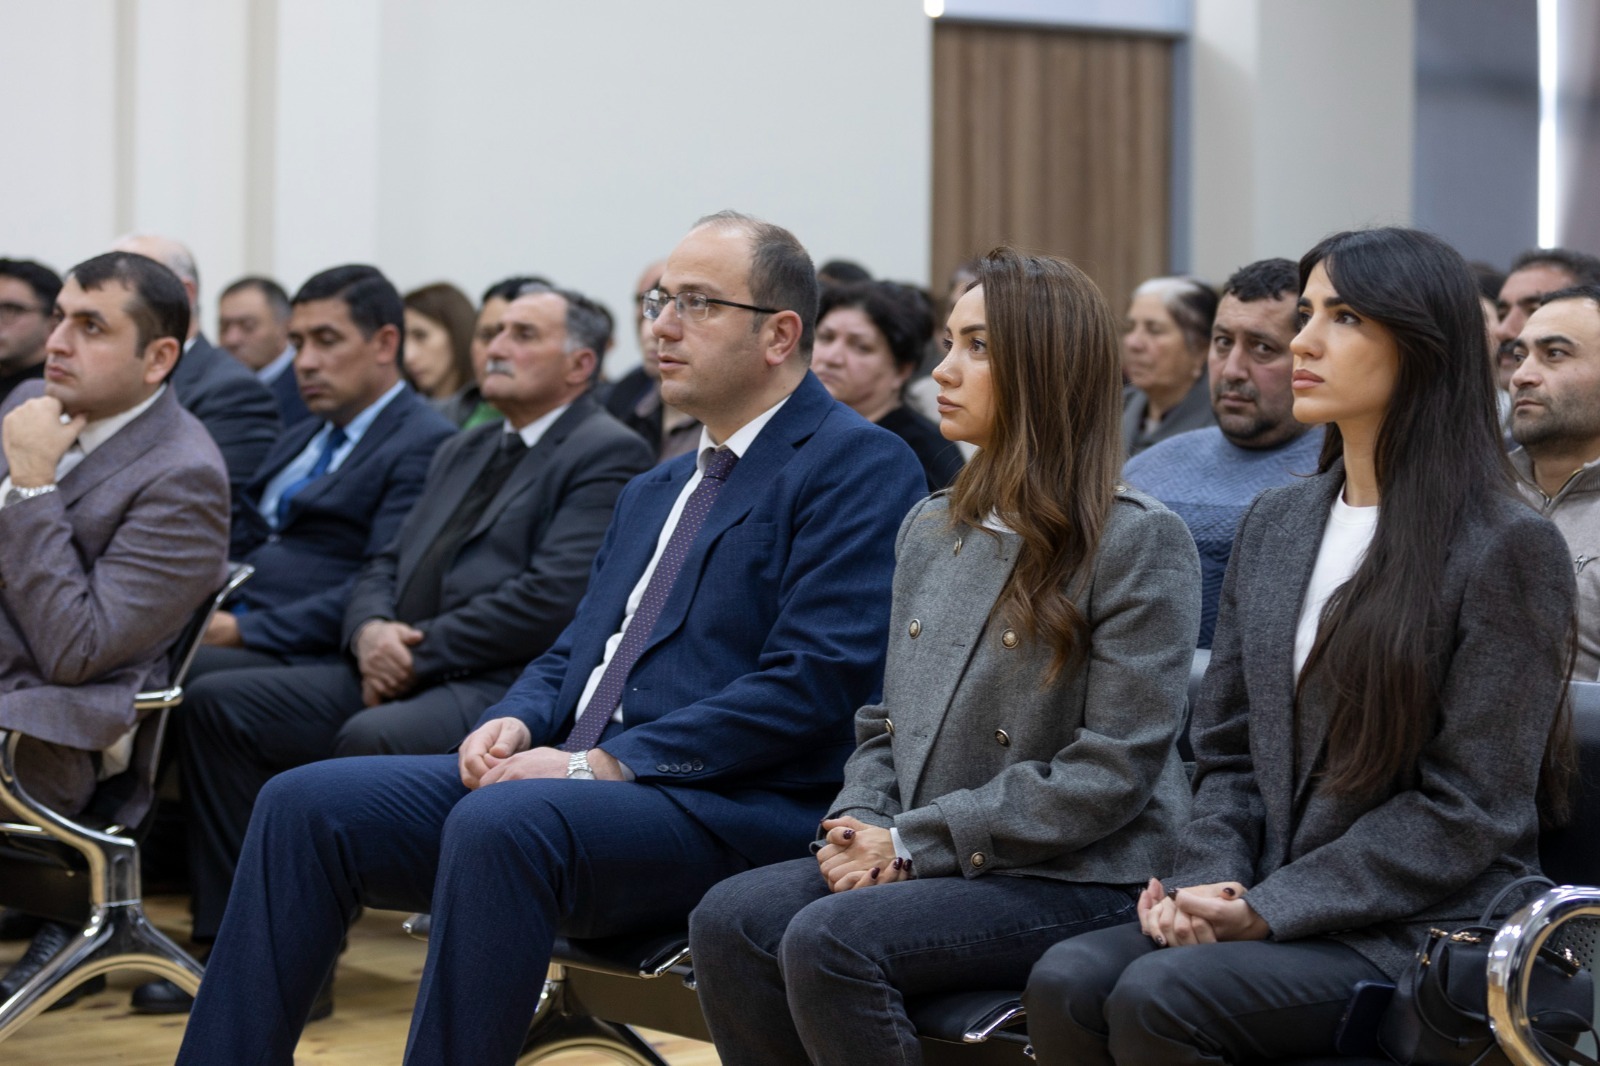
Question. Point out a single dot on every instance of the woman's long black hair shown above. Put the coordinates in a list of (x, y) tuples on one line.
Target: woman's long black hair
[(1384, 640)]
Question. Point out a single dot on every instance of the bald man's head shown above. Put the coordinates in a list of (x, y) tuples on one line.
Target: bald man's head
[(176, 257)]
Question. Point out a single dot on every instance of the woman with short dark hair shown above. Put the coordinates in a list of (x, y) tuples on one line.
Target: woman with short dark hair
[(1021, 769), (870, 337), (1384, 708)]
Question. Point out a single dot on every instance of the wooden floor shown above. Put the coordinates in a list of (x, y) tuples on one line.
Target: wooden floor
[(376, 986)]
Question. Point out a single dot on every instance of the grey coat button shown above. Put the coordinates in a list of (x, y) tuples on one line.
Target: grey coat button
[(698, 765), (661, 767), (916, 629), (978, 859), (958, 547), (1002, 738), (888, 726), (1009, 638)]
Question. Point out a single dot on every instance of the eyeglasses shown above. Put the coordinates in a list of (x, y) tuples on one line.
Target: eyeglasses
[(695, 305), (10, 312)]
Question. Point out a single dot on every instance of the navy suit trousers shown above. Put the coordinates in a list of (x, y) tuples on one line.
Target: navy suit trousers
[(502, 869)]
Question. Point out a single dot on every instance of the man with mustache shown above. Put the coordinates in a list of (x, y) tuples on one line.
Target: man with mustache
[(1555, 417), (1209, 476)]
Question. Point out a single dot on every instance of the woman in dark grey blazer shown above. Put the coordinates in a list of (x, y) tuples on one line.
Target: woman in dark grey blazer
[(1384, 702), (1019, 778)]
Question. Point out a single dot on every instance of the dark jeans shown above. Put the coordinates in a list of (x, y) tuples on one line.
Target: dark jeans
[(789, 973), (500, 868), (1113, 997)]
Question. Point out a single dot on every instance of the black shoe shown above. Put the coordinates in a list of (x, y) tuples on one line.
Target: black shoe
[(164, 997), (51, 938), (15, 925)]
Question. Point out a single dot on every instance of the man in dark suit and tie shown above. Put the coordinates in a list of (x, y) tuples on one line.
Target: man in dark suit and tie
[(253, 326), (486, 572), (114, 518), (236, 409), (691, 722), (334, 489)]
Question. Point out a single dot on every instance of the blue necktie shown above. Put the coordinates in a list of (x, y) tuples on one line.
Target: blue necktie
[(608, 693), (335, 440)]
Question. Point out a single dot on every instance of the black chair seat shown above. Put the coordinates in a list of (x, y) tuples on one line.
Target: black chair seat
[(953, 1015), (628, 955)]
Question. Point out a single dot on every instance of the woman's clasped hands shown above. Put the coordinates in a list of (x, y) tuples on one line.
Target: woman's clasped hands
[(857, 855), (1200, 914)]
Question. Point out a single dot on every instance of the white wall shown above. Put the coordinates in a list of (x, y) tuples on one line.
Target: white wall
[(464, 139), (1302, 125)]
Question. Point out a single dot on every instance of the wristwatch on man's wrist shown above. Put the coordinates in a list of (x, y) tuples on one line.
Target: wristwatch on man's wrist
[(17, 494), (578, 766)]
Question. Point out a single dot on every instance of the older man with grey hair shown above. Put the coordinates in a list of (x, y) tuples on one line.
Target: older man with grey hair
[(236, 409)]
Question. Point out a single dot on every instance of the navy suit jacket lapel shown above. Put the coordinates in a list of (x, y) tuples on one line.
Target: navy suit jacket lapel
[(388, 422), (761, 464)]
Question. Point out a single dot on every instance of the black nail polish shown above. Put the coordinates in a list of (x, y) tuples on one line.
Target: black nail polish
[(875, 872), (849, 834), (897, 864)]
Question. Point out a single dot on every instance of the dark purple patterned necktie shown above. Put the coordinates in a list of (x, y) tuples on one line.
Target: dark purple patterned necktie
[(608, 694)]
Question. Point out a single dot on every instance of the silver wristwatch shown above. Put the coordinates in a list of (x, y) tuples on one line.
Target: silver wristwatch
[(578, 766), (17, 494)]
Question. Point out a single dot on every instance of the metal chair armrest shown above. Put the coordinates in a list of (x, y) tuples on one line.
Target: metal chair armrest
[(1511, 960)]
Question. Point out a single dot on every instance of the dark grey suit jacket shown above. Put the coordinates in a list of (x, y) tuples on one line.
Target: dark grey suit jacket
[(229, 400), (1193, 412), (99, 577), (983, 767), (1377, 874), (517, 579)]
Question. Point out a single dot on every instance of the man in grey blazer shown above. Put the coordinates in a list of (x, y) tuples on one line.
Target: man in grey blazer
[(114, 514), (485, 573)]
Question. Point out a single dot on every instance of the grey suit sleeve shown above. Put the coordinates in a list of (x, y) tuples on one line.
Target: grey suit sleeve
[(1473, 799), (164, 559), (1144, 616), (871, 792), (1226, 826)]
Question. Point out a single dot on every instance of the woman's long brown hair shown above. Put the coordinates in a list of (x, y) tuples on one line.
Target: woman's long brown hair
[(1051, 466)]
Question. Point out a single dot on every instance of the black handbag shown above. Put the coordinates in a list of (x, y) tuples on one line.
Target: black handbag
[(1439, 1015)]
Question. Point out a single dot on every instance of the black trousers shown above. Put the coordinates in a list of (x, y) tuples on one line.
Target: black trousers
[(244, 726), (1111, 996)]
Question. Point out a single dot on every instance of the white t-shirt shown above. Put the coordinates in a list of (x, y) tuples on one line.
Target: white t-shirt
[(1344, 544)]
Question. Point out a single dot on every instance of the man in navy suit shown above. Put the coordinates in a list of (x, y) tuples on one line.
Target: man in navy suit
[(236, 409), (621, 776), (253, 326), (334, 489)]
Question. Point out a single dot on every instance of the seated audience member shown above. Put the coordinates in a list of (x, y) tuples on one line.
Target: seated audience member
[(253, 326), (1209, 476), (1164, 345), (496, 298), (635, 399), (870, 337), (27, 299), (1555, 418), (923, 392), (114, 517), (690, 723), (978, 824), (1534, 274), (1383, 689), (440, 322), (236, 409), (487, 570), (334, 489)]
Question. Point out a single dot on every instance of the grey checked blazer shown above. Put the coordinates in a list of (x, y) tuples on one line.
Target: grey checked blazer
[(1376, 875), (986, 770)]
